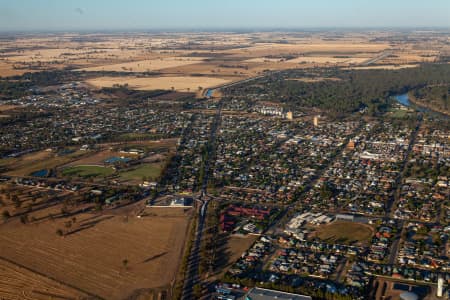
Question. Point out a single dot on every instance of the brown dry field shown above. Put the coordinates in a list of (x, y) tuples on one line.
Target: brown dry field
[(91, 259), (18, 283), (384, 67), (334, 47), (179, 83), (4, 108), (148, 65), (235, 247), (230, 56)]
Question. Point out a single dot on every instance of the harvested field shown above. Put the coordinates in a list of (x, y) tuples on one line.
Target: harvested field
[(328, 60), (18, 283), (384, 67), (147, 65), (179, 83), (91, 256), (7, 70), (336, 47)]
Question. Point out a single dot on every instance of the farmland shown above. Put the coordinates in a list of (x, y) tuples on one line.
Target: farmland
[(19, 283), (107, 138), (91, 255), (179, 83), (148, 65)]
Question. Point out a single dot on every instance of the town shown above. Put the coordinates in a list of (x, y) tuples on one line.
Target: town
[(313, 181)]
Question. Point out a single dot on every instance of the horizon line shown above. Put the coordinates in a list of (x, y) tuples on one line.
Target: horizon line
[(212, 29)]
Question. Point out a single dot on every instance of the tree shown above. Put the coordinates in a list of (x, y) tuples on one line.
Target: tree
[(59, 232), (6, 215), (197, 289), (24, 219), (125, 263)]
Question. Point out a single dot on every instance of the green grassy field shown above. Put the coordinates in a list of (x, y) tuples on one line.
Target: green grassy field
[(399, 114), (150, 171), (88, 171), (345, 232)]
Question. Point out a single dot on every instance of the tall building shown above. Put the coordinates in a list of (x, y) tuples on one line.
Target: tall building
[(289, 115), (316, 121), (440, 287)]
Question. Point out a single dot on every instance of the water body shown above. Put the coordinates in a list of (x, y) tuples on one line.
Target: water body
[(209, 93), (40, 173), (403, 99)]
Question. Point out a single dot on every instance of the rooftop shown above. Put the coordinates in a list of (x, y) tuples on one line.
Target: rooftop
[(263, 294)]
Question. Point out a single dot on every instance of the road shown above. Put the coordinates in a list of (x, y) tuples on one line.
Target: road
[(377, 58), (313, 181), (192, 276), (393, 203)]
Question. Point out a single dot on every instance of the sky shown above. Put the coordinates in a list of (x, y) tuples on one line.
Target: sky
[(80, 15)]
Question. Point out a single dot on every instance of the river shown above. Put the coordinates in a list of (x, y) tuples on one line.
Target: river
[(209, 93), (403, 99)]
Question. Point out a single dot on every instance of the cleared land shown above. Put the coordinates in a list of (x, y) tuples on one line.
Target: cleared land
[(384, 67), (91, 256), (344, 232), (237, 245), (148, 65), (179, 83), (18, 283)]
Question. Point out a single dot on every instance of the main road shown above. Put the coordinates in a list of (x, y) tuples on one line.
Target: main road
[(192, 277)]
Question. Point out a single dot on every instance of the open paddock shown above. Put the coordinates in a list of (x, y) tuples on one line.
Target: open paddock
[(344, 232), (106, 255), (147, 65), (328, 60), (385, 67), (263, 50), (179, 83), (19, 283)]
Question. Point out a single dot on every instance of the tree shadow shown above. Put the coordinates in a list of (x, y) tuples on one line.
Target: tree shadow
[(155, 257)]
